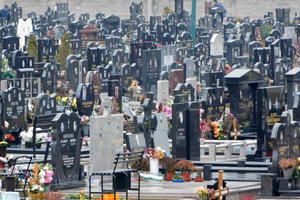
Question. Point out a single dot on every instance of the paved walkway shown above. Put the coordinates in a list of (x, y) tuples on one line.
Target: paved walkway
[(155, 190)]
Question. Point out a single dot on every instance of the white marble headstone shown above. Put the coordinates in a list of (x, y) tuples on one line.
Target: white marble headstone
[(290, 33), (24, 29), (162, 92), (106, 140), (217, 45)]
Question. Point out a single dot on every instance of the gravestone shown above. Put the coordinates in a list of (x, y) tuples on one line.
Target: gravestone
[(176, 76), (217, 45), (65, 151), (85, 99), (160, 135), (45, 104), (72, 69), (105, 141), (14, 108), (94, 78), (135, 142), (162, 92)]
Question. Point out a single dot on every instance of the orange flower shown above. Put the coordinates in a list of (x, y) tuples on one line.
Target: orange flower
[(217, 134)]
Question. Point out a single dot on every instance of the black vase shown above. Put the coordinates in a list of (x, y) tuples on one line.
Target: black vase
[(10, 183)]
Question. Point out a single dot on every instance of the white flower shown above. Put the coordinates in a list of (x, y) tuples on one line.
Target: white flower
[(42, 174), (42, 181)]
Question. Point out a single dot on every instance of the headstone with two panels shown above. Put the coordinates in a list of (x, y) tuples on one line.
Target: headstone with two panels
[(119, 58), (65, 151), (45, 104), (14, 111)]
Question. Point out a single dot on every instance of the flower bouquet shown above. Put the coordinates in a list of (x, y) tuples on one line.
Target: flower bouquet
[(85, 120), (154, 154), (41, 179), (204, 193)]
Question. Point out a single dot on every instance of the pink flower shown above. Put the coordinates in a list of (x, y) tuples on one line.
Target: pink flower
[(42, 181), (48, 180), (201, 112)]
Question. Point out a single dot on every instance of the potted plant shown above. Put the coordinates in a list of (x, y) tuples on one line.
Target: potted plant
[(177, 178), (287, 166), (85, 125), (168, 165), (3, 147), (40, 181), (185, 167), (199, 175), (145, 165), (154, 154)]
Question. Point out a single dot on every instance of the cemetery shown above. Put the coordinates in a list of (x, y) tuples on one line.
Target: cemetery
[(149, 107)]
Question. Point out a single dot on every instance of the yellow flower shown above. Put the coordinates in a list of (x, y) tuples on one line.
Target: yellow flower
[(299, 168), (58, 98), (81, 191), (298, 159), (74, 102), (92, 196), (65, 99)]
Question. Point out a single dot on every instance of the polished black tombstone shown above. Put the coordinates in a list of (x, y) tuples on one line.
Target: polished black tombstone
[(65, 150)]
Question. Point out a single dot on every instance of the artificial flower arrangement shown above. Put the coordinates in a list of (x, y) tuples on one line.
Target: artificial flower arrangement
[(154, 153), (27, 136), (6, 69), (41, 179), (9, 138), (287, 163), (204, 193), (126, 118), (68, 102), (297, 174), (3, 161), (217, 128), (85, 120)]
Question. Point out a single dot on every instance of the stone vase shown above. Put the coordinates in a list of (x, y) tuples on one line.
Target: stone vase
[(288, 173), (85, 130), (154, 166)]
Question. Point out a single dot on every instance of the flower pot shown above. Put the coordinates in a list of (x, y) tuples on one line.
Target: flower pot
[(3, 151), (186, 176), (38, 196), (198, 179), (288, 173), (10, 183), (154, 166), (85, 130), (169, 176)]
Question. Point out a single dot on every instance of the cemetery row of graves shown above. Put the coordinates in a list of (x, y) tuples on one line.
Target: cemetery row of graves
[(110, 89)]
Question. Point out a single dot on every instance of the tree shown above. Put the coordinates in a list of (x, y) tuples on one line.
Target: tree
[(32, 47), (167, 11), (64, 50)]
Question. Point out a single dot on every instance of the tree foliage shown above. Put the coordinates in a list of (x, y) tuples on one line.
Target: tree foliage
[(32, 47), (64, 50)]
